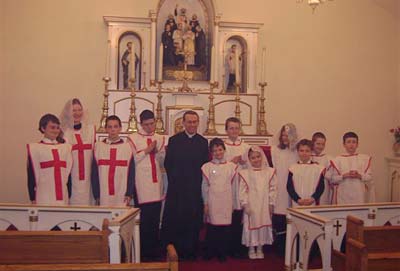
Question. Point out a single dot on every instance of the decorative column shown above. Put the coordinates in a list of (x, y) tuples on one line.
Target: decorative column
[(104, 115), (262, 125), (132, 124), (211, 111), (153, 41), (159, 121)]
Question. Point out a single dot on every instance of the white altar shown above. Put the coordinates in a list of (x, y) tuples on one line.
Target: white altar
[(327, 226), (123, 226)]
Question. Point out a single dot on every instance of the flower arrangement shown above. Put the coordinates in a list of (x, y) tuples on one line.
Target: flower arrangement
[(396, 134)]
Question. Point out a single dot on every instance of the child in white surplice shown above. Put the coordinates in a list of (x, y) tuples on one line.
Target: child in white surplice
[(257, 197), (217, 196)]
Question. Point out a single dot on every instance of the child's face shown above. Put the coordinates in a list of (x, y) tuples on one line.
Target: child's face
[(113, 129), (149, 126), (285, 138), (351, 145), (319, 145), (233, 130), (255, 159), (304, 153), (218, 152), (77, 113), (51, 131)]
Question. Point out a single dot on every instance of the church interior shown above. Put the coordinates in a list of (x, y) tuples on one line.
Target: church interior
[(331, 66)]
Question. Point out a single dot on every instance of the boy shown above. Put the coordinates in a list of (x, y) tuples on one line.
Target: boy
[(49, 165), (305, 183), (149, 153), (113, 172), (351, 173), (318, 156), (236, 151)]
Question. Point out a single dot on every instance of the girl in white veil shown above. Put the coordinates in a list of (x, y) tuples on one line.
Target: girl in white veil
[(81, 136), (257, 197)]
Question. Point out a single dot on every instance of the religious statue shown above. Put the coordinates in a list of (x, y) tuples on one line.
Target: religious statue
[(189, 46), (125, 60), (200, 40), (171, 22), (194, 22), (178, 42), (169, 49), (231, 65)]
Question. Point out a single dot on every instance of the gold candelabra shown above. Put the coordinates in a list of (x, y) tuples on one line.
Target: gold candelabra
[(185, 86), (262, 125), (144, 82), (104, 114), (211, 111), (159, 122), (132, 124), (237, 107)]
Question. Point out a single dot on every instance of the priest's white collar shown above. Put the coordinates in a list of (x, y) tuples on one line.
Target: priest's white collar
[(190, 135), (49, 141), (305, 163), (218, 161)]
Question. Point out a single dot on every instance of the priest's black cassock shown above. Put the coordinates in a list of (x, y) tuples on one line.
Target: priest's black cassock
[(183, 211)]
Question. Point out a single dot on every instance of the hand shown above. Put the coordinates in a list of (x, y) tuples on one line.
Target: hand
[(151, 148), (271, 209), (301, 202), (308, 202), (206, 210), (355, 174), (33, 201), (241, 161), (247, 210), (127, 200), (236, 159), (348, 175), (97, 202)]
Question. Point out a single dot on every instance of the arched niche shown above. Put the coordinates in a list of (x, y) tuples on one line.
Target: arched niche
[(124, 71), (241, 46), (205, 11)]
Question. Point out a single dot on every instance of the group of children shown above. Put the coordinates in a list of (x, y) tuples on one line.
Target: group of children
[(245, 193)]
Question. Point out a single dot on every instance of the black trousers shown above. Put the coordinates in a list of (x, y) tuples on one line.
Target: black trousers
[(279, 228), (149, 228), (235, 242), (217, 238)]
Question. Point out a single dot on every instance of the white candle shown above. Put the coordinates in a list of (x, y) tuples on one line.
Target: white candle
[(133, 70), (237, 72), (212, 77), (107, 72), (160, 62), (263, 65)]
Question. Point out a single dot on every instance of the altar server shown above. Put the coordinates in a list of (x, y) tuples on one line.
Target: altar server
[(149, 153), (218, 176), (113, 171), (81, 135), (320, 157), (351, 173), (258, 198), (236, 152), (49, 165), (305, 183)]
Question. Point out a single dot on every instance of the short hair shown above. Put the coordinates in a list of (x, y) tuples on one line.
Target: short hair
[(113, 117), (190, 112), (231, 119), (146, 115), (317, 135), (349, 135), (45, 119), (215, 142), (304, 142)]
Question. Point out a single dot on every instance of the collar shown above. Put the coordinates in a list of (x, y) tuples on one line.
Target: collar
[(349, 155), (318, 155), (218, 161), (78, 126), (49, 141), (307, 163), (190, 135), (112, 142), (230, 142), (143, 133)]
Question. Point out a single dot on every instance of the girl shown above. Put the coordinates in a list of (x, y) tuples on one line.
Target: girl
[(81, 136), (257, 197), (217, 197)]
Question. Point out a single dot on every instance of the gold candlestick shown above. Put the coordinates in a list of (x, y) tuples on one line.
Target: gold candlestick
[(223, 90), (262, 125), (104, 114), (211, 111), (237, 107), (132, 124), (144, 82), (159, 122), (185, 86)]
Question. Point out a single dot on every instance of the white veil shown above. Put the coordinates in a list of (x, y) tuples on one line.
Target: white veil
[(264, 161), (66, 117)]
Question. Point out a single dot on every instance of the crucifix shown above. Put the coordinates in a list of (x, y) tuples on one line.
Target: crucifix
[(185, 87), (337, 226), (75, 227)]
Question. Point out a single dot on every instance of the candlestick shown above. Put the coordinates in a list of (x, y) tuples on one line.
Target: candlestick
[(105, 108), (237, 72), (211, 111), (132, 123), (132, 60), (263, 64), (107, 69), (212, 77), (159, 121), (262, 125), (160, 63)]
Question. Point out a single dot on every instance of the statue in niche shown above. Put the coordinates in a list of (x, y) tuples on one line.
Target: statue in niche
[(171, 22), (230, 61), (125, 61), (168, 43), (178, 125), (188, 46), (200, 39), (194, 22)]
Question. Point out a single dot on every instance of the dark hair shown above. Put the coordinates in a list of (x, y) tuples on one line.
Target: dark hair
[(231, 119), (76, 101), (350, 135), (146, 115), (215, 142), (44, 121), (113, 117), (190, 112), (317, 135), (304, 142), (250, 152), (281, 145)]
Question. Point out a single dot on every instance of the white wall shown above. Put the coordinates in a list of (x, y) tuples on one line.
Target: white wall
[(334, 71)]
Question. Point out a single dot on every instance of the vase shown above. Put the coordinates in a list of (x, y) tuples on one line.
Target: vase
[(396, 149)]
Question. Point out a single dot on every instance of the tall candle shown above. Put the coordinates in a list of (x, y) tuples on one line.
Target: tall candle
[(107, 71), (237, 72), (213, 75), (160, 62), (263, 65), (133, 70)]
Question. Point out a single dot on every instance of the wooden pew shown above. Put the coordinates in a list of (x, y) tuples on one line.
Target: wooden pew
[(369, 248), (34, 247), (171, 264)]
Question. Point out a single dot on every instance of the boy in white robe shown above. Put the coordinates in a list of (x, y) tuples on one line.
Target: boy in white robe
[(305, 183), (149, 154), (113, 171), (257, 197), (236, 152), (351, 173), (81, 136), (318, 156), (49, 165), (217, 197)]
